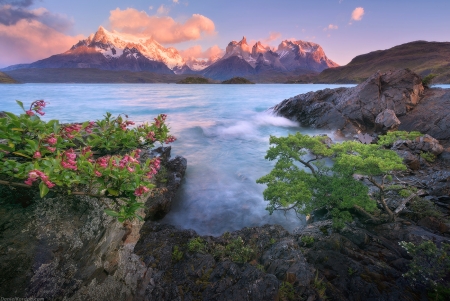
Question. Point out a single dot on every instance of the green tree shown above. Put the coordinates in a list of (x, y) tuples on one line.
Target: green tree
[(311, 174)]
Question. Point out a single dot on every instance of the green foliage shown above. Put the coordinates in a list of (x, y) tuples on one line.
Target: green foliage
[(307, 240), (234, 250), (426, 81), (429, 157), (194, 80), (286, 291), (351, 271), (197, 245), (92, 158), (429, 265), (177, 255), (302, 179), (391, 137), (422, 208), (319, 286)]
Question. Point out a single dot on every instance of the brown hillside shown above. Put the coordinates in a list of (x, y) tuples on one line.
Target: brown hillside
[(420, 56), (5, 79)]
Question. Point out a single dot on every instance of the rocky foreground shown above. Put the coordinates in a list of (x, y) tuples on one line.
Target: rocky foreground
[(385, 101), (67, 249)]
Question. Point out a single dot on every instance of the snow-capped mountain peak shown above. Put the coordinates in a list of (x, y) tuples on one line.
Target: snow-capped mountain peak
[(113, 45)]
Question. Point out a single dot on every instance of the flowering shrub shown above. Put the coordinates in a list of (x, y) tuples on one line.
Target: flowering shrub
[(99, 159)]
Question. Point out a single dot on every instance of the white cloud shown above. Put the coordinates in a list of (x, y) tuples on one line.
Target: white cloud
[(357, 14), (176, 1)]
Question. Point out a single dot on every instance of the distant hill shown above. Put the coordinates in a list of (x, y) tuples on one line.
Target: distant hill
[(89, 75), (5, 79), (420, 56), (194, 80), (237, 80)]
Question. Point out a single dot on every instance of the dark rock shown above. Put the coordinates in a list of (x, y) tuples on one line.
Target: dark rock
[(411, 160), (431, 115), (386, 121), (285, 260), (434, 224), (159, 204), (355, 109)]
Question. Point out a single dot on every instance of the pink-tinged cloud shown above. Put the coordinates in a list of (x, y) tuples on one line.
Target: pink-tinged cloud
[(332, 26), (272, 37), (357, 14), (163, 29), (196, 52), (29, 40)]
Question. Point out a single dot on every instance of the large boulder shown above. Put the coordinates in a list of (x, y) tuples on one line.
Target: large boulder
[(431, 115), (356, 109), (386, 121)]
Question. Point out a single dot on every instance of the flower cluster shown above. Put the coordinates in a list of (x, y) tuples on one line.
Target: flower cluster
[(154, 166), (70, 131), (68, 159), (37, 107), (170, 139), (36, 174), (66, 156)]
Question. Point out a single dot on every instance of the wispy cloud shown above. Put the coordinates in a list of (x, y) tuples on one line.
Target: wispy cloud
[(163, 29), (273, 36), (331, 27), (163, 10), (197, 52)]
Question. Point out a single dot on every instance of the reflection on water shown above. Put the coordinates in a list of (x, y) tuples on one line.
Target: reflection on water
[(222, 130)]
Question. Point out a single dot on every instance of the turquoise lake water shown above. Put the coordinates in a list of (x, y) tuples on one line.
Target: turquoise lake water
[(223, 132)]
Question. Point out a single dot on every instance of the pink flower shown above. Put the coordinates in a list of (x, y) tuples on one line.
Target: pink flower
[(151, 136), (170, 139), (49, 184), (98, 174), (141, 190), (37, 154), (51, 149), (130, 169), (52, 140), (29, 113)]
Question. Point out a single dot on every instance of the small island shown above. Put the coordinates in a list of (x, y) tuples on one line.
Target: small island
[(237, 80), (194, 80)]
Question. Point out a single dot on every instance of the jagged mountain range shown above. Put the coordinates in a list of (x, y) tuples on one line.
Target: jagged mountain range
[(107, 50)]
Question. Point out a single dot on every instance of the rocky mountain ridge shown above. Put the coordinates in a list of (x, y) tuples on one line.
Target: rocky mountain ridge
[(107, 50)]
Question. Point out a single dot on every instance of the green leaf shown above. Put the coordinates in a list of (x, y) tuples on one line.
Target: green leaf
[(43, 189), (6, 148), (22, 155), (111, 212), (20, 104), (113, 192)]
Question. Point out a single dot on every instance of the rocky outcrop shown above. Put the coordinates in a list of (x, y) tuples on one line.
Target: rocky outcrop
[(66, 247), (205, 275), (431, 115), (356, 109), (160, 202)]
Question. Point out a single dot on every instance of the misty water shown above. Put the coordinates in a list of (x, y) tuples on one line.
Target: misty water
[(223, 132)]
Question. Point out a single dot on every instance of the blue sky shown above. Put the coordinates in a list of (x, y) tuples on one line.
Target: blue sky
[(329, 23)]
